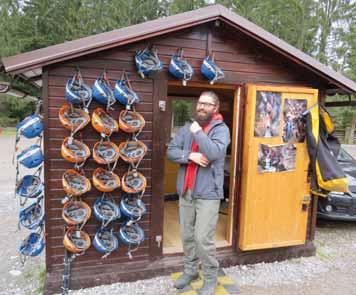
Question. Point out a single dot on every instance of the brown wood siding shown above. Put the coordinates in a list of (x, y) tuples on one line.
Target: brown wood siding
[(241, 59)]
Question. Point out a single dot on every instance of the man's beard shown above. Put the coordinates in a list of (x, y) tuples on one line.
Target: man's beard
[(203, 117)]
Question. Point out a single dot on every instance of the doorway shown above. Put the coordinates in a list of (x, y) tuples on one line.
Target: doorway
[(181, 102)]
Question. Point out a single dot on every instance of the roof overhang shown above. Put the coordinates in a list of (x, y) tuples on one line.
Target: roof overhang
[(30, 64), (7, 88)]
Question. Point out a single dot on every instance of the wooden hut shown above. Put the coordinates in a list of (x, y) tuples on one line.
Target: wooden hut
[(266, 216)]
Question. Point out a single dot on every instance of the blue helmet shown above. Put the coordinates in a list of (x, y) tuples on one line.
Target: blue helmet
[(105, 241), (30, 127), (147, 62), (32, 245), (30, 186), (124, 93), (31, 157), (32, 216), (180, 68), (131, 234), (132, 207), (210, 70), (106, 211), (102, 92), (77, 92)]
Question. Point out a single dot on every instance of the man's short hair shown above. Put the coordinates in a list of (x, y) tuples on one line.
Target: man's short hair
[(213, 95)]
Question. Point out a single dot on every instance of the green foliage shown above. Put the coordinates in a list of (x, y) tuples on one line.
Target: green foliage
[(182, 111), (325, 29), (13, 110)]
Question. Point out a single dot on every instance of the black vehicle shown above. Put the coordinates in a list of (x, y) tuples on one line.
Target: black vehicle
[(341, 206)]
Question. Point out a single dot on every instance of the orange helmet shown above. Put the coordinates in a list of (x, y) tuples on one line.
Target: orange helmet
[(76, 241), (133, 182), (103, 122), (132, 151), (74, 183), (72, 118), (76, 212), (130, 121), (105, 152), (105, 180), (74, 151)]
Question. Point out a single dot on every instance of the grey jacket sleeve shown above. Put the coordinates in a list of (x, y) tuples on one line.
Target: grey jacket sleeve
[(213, 147), (175, 151)]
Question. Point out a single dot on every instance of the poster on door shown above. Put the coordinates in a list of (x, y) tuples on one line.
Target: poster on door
[(293, 125), (267, 115), (276, 158)]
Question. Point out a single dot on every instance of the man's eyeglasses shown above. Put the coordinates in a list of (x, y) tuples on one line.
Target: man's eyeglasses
[(205, 104)]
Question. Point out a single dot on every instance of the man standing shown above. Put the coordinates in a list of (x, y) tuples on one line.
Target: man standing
[(200, 149)]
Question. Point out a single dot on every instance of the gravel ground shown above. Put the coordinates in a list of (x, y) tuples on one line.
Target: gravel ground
[(331, 271)]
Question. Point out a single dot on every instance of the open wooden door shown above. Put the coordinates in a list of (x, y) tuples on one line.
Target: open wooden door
[(275, 194)]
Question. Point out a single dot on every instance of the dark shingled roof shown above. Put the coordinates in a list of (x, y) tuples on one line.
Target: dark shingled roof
[(36, 59)]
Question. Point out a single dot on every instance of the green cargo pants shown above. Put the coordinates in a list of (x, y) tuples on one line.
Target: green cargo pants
[(198, 219)]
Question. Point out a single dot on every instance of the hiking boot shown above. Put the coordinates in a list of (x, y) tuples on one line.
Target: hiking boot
[(208, 288), (184, 280)]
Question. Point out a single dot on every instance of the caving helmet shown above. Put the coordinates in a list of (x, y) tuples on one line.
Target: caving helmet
[(131, 234), (106, 210), (105, 241), (31, 157), (77, 92), (105, 180), (180, 68), (74, 151), (74, 183), (210, 70), (131, 122), (33, 245), (105, 152), (132, 207), (32, 216), (72, 118), (124, 93), (132, 151), (30, 127), (76, 212), (148, 62), (102, 92), (103, 122), (76, 241), (30, 186), (133, 182)]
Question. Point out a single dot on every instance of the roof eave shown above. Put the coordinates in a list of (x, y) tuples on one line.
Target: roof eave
[(242, 24), (148, 31)]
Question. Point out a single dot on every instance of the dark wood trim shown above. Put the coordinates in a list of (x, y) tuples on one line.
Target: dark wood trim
[(46, 164), (312, 215), (124, 272), (236, 213), (46, 158), (159, 130)]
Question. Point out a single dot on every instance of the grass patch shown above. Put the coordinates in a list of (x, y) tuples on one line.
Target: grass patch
[(41, 275), (323, 256), (7, 131), (37, 274)]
